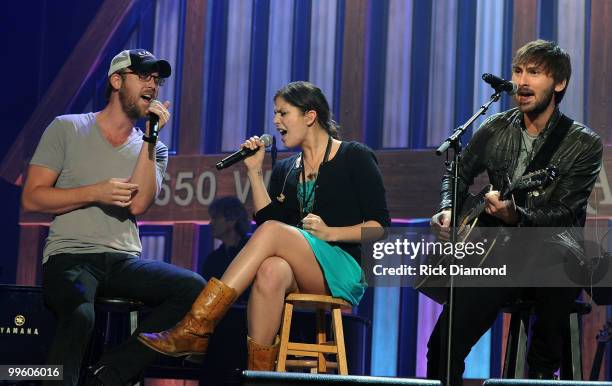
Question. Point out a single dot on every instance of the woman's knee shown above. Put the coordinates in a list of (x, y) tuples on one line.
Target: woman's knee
[(274, 275), (270, 228)]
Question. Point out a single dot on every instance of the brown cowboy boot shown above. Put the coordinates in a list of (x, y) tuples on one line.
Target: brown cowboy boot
[(190, 335), (260, 357)]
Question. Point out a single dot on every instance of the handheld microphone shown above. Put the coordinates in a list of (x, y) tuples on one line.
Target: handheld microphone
[(153, 126), (242, 153), (500, 84)]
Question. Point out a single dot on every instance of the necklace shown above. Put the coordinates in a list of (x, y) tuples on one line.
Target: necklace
[(525, 154), (314, 172), (525, 138), (307, 198)]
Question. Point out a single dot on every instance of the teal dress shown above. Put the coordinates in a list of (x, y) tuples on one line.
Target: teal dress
[(343, 276)]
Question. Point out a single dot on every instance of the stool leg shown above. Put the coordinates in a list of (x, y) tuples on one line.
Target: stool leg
[(107, 329), (133, 326), (339, 340), (509, 359), (516, 346), (571, 367), (321, 339), (521, 352), (511, 347), (133, 321), (284, 338)]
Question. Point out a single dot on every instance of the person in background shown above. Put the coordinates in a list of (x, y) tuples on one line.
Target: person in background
[(229, 222)]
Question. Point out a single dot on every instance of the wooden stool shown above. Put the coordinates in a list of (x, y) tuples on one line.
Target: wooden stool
[(320, 303)]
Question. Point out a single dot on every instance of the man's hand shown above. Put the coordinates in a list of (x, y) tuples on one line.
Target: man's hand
[(161, 110), (504, 210), (115, 191), (440, 224)]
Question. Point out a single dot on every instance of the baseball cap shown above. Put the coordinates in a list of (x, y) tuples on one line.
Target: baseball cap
[(141, 61)]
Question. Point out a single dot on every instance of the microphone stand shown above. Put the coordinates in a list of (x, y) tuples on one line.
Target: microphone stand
[(454, 142)]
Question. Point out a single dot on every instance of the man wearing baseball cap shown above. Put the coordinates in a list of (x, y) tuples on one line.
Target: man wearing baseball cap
[(139, 61), (95, 173)]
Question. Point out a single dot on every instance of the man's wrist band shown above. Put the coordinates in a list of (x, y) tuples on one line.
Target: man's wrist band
[(149, 139)]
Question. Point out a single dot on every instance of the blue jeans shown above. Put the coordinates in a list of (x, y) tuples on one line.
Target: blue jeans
[(72, 281)]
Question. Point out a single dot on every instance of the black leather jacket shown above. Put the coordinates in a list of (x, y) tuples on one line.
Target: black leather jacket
[(495, 147)]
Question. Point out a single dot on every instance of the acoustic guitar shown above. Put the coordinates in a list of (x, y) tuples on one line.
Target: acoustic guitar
[(473, 216)]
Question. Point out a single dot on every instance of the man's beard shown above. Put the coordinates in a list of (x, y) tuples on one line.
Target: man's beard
[(541, 106), (129, 105)]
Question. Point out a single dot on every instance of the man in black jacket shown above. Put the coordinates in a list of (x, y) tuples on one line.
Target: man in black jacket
[(505, 146)]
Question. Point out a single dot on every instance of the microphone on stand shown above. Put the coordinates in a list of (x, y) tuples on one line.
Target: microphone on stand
[(242, 153), (500, 84)]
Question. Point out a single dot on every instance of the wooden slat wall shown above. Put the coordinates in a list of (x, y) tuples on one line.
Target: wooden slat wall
[(185, 245), (600, 79), (29, 264), (353, 70), (524, 23), (190, 136), (599, 117)]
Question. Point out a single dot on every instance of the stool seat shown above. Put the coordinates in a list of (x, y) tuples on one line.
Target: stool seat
[(317, 352), (118, 304), (122, 306), (310, 301)]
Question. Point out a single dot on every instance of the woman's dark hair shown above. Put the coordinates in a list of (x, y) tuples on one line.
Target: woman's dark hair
[(306, 96)]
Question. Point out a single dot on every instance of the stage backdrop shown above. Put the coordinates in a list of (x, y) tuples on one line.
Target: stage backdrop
[(400, 75)]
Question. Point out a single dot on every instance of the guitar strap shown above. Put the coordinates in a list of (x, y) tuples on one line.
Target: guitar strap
[(544, 155), (542, 158)]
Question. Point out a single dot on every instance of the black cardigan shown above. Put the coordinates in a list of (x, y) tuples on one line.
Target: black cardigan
[(349, 190)]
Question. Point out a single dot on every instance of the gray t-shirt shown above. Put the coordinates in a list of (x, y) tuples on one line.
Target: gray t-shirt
[(73, 146), (525, 155)]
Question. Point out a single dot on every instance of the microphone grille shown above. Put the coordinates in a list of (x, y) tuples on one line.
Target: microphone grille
[(514, 88), (266, 139)]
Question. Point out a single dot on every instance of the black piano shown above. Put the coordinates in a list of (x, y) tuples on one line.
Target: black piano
[(26, 326)]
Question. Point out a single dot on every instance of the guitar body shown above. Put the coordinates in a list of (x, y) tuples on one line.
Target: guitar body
[(473, 210), (476, 225)]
